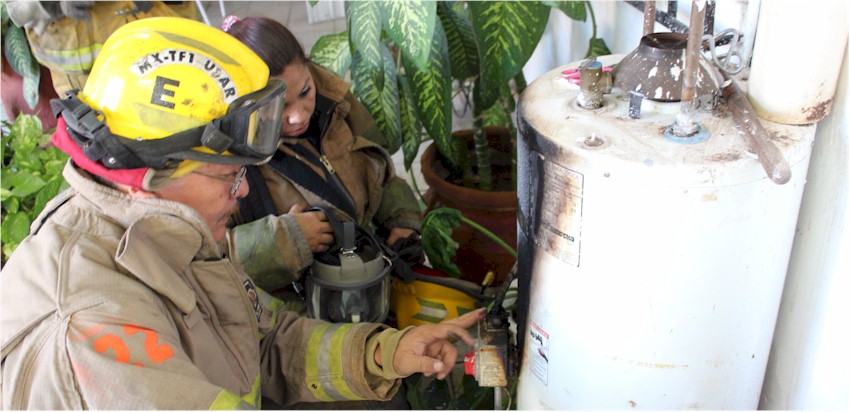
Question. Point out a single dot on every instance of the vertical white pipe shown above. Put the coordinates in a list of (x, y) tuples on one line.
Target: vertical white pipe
[(203, 12), (749, 31), (796, 59), (809, 367), (221, 7)]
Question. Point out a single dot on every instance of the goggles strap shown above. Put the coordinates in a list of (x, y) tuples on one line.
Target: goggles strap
[(214, 139)]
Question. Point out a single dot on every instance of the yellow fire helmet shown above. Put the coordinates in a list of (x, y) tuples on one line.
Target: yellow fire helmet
[(166, 90)]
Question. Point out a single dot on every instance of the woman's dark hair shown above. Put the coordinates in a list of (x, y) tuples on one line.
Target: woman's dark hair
[(273, 42)]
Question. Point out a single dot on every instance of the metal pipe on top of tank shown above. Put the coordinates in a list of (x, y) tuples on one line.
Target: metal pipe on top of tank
[(757, 138), (648, 17), (684, 124)]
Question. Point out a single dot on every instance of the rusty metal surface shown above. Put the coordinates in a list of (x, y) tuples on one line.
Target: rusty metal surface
[(655, 69)]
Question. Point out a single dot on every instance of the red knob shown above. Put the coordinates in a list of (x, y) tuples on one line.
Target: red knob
[(469, 363)]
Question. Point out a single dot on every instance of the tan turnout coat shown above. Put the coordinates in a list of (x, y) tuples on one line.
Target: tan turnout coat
[(121, 303)]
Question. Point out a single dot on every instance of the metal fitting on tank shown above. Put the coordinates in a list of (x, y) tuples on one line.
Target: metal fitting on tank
[(594, 84)]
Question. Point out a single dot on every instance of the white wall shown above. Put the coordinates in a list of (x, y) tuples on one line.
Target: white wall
[(809, 366)]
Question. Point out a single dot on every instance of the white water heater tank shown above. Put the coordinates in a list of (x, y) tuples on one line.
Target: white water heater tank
[(654, 268)]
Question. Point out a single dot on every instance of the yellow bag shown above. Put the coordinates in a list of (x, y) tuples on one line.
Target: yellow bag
[(432, 298)]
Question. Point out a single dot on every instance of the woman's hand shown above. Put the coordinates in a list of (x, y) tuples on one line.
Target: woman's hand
[(397, 233), (315, 227)]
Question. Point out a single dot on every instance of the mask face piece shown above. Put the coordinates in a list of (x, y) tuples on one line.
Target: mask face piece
[(352, 283), (349, 304)]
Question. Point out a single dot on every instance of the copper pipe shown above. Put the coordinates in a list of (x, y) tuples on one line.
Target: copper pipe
[(684, 125), (648, 17), (757, 137), (689, 83)]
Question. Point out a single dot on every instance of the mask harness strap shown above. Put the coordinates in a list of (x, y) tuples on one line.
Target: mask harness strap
[(258, 204)]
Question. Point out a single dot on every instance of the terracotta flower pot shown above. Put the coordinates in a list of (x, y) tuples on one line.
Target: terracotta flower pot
[(495, 210)]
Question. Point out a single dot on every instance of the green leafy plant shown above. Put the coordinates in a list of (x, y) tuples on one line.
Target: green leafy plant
[(453, 393), (17, 51), (437, 238), (31, 176), (405, 55)]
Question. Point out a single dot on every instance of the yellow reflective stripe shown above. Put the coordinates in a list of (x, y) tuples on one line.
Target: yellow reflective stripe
[(81, 59), (324, 364), (312, 364), (227, 400), (92, 49), (336, 363), (253, 398)]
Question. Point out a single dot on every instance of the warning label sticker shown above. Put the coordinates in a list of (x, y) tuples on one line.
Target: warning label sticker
[(539, 352), (559, 232)]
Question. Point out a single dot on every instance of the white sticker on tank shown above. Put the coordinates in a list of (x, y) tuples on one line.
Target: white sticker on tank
[(539, 352), (559, 232)]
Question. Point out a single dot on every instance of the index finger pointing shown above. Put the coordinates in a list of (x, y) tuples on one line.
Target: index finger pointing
[(468, 319)]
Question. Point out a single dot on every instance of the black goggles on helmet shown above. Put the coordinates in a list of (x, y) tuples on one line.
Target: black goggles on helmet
[(249, 132), (252, 124)]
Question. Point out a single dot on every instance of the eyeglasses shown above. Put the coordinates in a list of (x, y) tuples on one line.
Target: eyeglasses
[(236, 180)]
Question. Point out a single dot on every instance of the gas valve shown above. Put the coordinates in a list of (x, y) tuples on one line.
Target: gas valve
[(494, 359), (595, 82)]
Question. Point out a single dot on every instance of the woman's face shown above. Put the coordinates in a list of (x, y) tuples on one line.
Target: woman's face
[(300, 99)]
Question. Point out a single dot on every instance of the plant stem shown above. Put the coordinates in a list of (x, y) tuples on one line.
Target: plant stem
[(592, 17), (490, 235), (482, 157), (418, 192)]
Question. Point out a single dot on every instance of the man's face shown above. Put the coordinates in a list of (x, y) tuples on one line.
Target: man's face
[(208, 191)]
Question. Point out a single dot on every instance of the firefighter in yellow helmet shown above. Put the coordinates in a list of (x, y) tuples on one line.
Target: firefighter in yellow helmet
[(124, 297)]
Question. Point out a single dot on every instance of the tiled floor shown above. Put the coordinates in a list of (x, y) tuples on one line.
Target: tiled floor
[(294, 15)]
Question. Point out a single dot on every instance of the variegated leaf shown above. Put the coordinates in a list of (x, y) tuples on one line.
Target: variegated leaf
[(411, 127), (463, 52), (437, 239), (382, 100), (332, 52), (364, 22), (597, 47), (30, 88), (432, 88), (410, 23), (574, 9), (497, 115), (4, 14), (17, 50), (507, 33)]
